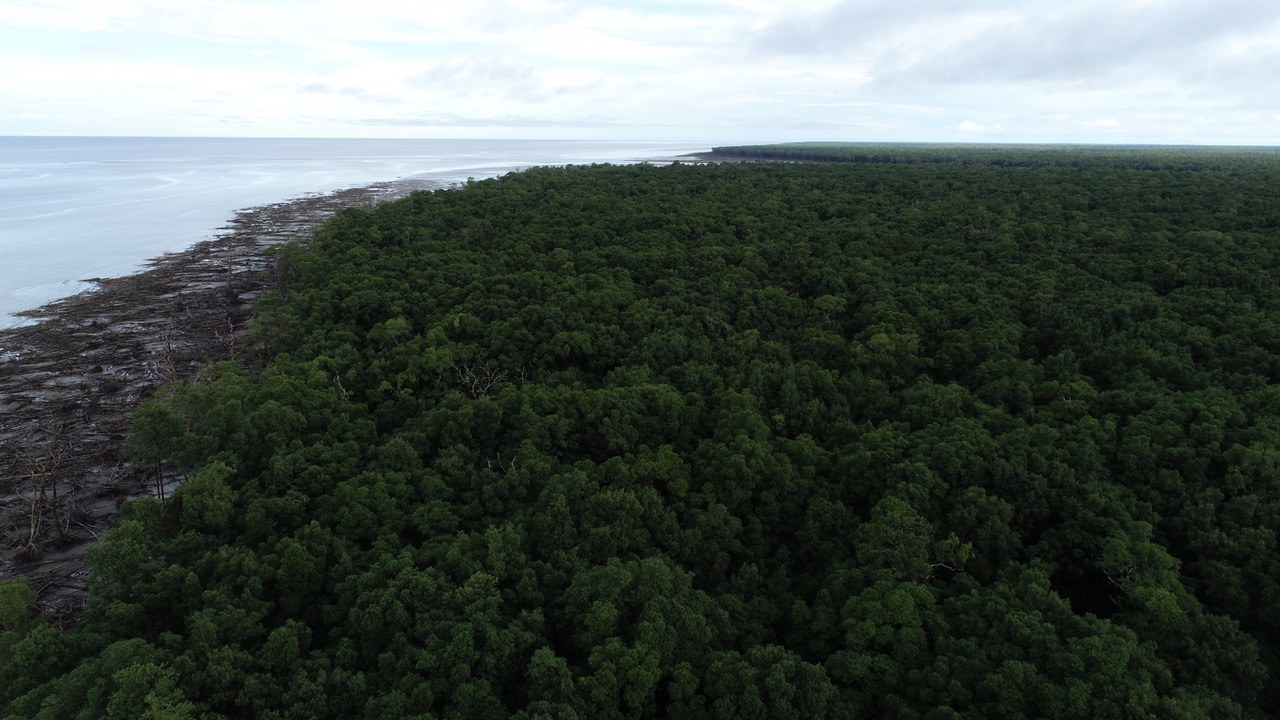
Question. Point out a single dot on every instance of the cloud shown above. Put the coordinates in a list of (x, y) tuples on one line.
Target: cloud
[(1161, 70), (350, 91), (991, 41), (519, 82), (971, 127), (504, 121)]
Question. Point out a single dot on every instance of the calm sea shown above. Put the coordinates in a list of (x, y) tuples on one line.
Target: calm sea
[(74, 208)]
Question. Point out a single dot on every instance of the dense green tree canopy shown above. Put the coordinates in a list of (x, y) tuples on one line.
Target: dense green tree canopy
[(949, 438)]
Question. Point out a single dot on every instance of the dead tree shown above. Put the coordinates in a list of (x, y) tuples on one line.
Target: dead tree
[(479, 379), (42, 461)]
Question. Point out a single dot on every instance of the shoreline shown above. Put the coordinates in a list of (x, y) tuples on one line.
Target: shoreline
[(70, 380)]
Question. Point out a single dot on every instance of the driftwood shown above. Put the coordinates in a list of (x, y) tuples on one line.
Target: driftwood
[(70, 381)]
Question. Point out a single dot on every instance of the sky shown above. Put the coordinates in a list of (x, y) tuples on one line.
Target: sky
[(715, 71)]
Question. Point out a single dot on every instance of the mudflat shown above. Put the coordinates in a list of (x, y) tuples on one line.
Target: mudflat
[(70, 381)]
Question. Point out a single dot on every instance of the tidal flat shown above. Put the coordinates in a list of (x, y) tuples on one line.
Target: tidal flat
[(70, 380)]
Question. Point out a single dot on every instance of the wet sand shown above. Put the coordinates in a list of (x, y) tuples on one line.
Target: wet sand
[(70, 381)]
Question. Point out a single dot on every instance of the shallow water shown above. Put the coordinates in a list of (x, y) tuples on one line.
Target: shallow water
[(76, 208)]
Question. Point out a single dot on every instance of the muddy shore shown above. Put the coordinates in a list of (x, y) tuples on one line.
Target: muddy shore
[(70, 381)]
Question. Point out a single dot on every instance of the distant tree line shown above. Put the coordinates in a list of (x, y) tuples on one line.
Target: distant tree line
[(1133, 157)]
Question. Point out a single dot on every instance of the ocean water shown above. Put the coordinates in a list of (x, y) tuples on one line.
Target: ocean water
[(74, 208)]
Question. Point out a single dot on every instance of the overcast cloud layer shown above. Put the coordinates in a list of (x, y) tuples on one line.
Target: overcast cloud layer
[(1151, 71)]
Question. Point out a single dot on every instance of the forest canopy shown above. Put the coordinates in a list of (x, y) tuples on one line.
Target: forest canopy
[(945, 434)]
